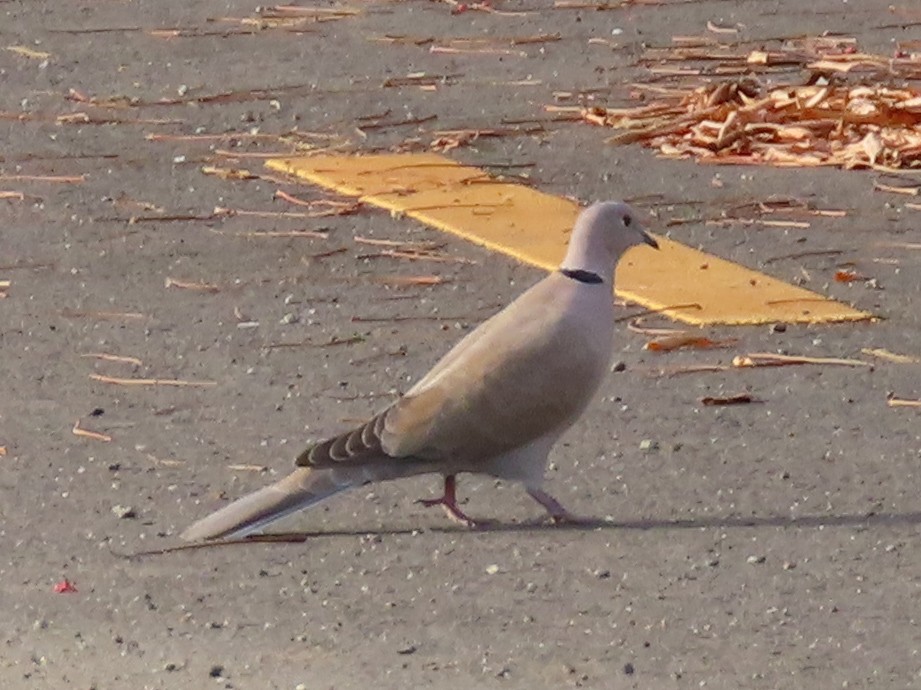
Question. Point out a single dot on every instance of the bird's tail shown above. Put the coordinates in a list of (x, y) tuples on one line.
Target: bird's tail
[(301, 489)]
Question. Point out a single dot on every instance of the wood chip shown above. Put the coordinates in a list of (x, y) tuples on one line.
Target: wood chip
[(29, 53), (228, 173), (86, 433), (54, 179), (189, 285), (735, 119), (332, 342), (903, 402), (248, 468), (306, 234), (848, 276), (909, 191), (767, 359), (114, 358), (692, 369), (740, 399), (412, 281), (684, 340), (416, 256), (104, 315), (882, 353), (151, 382)]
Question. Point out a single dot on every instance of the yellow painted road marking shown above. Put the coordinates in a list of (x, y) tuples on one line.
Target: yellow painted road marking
[(534, 228)]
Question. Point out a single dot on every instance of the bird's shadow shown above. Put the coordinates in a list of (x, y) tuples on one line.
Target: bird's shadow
[(864, 520)]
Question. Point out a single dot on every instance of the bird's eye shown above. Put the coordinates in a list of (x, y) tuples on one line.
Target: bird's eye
[(627, 221)]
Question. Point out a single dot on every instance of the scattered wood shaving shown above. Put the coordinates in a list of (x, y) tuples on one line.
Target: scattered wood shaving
[(767, 359), (729, 117), (54, 179), (740, 399), (29, 53), (892, 189), (114, 358), (166, 462), (717, 29), (692, 369), (901, 245), (636, 326), (684, 340), (86, 433), (228, 173), (318, 12), (399, 319), (308, 234), (103, 315), (882, 353), (411, 281), (903, 402), (188, 285), (848, 276), (323, 255), (450, 50), (581, 5), (12, 195), (210, 137), (416, 256), (401, 245), (256, 154), (151, 382), (333, 208), (231, 212), (248, 468), (332, 342)]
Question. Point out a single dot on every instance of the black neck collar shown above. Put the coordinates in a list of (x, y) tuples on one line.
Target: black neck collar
[(581, 276)]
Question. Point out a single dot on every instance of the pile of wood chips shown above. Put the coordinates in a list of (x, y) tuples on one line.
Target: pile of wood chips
[(843, 108)]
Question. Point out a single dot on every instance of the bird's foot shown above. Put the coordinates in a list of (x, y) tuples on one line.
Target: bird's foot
[(448, 503), (452, 510)]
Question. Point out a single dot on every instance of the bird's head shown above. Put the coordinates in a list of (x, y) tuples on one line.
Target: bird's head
[(602, 233)]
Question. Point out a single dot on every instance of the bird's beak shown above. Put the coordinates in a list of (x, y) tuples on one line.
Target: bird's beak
[(648, 239)]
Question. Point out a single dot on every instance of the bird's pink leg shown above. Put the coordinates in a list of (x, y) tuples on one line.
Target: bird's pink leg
[(448, 502), (558, 514)]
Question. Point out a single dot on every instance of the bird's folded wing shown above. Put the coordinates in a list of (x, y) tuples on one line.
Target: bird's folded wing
[(519, 376)]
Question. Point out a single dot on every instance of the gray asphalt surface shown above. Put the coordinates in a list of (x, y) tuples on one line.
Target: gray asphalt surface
[(760, 546)]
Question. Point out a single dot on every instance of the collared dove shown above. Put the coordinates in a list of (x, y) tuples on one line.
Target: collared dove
[(495, 404)]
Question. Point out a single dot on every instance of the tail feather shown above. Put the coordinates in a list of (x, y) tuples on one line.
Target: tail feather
[(299, 490)]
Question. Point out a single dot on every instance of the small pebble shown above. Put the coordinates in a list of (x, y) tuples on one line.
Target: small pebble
[(124, 512)]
